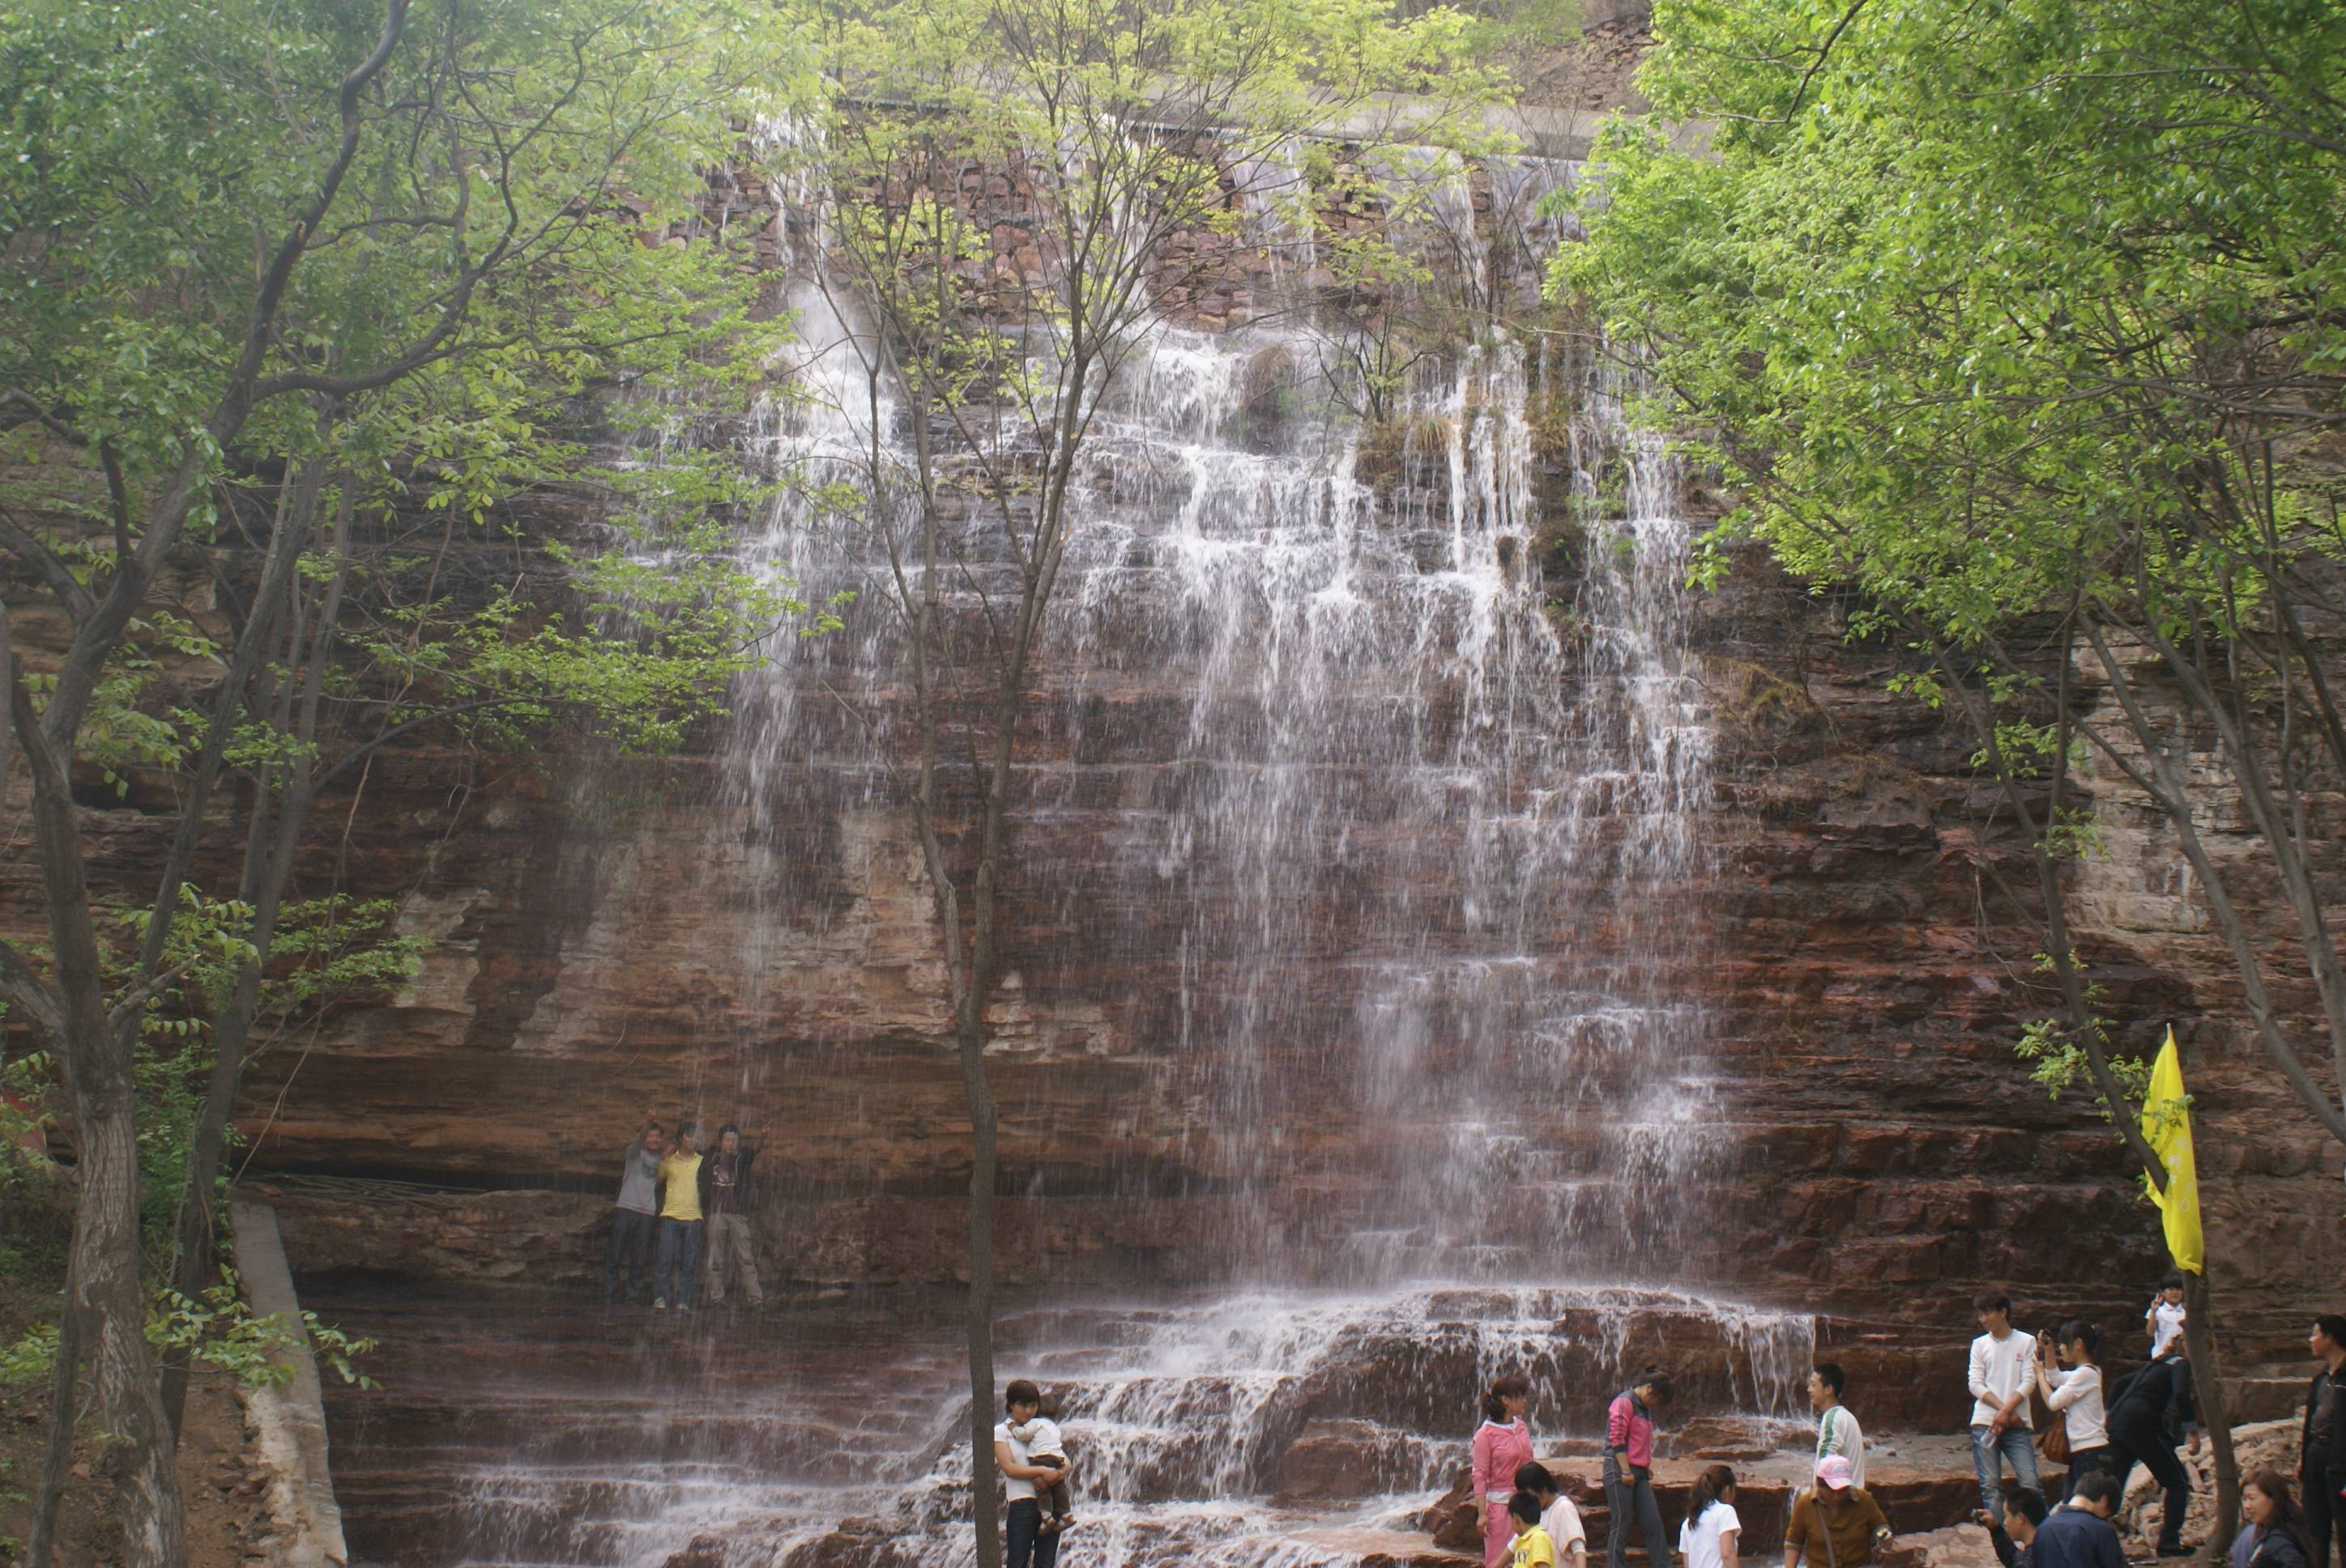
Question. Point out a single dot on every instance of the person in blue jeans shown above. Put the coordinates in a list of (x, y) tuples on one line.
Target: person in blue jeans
[(677, 1275), (2002, 1370), (1025, 1543)]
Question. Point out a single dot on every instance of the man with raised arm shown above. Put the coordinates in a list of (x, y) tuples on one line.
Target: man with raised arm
[(632, 1216)]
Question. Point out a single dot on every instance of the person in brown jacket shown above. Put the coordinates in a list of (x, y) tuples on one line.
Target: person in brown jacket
[(1834, 1524)]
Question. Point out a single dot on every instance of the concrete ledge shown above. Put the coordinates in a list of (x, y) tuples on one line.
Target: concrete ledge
[(288, 1419)]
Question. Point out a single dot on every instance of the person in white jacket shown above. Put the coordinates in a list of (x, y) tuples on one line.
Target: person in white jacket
[(2075, 1397), (2002, 1371), (1837, 1430)]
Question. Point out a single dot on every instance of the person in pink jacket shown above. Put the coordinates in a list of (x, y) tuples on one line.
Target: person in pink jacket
[(1502, 1443), (1629, 1470)]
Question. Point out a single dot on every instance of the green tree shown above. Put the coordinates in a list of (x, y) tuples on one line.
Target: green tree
[(1002, 183), (304, 293), (2025, 322)]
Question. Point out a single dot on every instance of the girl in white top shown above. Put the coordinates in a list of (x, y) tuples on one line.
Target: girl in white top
[(2076, 1397), (1709, 1536), (2163, 1319)]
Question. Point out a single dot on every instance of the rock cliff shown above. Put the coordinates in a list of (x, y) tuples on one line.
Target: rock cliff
[(609, 944)]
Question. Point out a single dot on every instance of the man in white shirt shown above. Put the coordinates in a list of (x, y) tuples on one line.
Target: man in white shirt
[(2002, 1370), (1837, 1430)]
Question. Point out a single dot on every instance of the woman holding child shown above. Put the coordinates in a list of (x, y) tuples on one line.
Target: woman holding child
[(1503, 1444), (1028, 1451)]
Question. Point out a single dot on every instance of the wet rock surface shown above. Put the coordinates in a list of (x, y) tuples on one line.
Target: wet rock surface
[(519, 1426)]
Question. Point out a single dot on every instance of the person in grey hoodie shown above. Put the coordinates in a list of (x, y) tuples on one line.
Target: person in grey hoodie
[(631, 1220)]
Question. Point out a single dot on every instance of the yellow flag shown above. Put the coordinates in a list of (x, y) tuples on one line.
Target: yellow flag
[(2166, 1126)]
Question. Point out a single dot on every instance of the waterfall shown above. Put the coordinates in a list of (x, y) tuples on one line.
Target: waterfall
[(1409, 778)]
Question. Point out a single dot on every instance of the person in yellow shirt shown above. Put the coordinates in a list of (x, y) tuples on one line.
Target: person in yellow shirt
[(1534, 1547), (677, 1274)]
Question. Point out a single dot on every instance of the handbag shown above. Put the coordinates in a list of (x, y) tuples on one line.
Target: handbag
[(2052, 1442)]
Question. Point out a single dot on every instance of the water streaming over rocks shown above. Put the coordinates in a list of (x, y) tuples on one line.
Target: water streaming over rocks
[(1231, 1427), (1436, 737), (1389, 715)]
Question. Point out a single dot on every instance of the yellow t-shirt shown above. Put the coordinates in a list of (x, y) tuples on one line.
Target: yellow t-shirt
[(682, 1174), (1534, 1548)]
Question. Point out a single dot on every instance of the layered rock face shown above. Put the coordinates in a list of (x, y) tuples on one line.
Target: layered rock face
[(1882, 1152), (1211, 1058)]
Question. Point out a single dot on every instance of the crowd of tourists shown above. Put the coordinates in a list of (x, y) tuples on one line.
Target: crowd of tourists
[(2099, 1433), (672, 1199), (673, 1196)]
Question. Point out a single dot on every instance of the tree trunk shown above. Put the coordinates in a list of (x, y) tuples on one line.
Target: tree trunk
[(271, 838), (191, 1258), (191, 1251), (2208, 1390), (103, 1263), (984, 1495), (124, 1388)]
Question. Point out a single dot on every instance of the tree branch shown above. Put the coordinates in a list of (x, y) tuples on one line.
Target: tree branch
[(34, 552)]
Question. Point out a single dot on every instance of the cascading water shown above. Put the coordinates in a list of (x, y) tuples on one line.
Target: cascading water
[(1426, 836), (1388, 736)]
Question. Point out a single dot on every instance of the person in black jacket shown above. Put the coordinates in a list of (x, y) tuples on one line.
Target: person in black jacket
[(2320, 1447), (725, 1200), (2147, 1416), (2078, 1533), (2014, 1539), (2273, 1535)]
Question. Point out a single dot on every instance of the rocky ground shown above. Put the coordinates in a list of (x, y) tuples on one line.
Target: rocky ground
[(220, 1478), (1593, 71)]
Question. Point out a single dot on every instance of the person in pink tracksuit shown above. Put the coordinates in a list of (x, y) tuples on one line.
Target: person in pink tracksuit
[(1629, 1470), (1502, 1443)]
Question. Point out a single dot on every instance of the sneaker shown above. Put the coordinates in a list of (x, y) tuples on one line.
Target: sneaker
[(659, 1303)]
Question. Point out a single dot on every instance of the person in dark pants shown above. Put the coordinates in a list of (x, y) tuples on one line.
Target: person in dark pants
[(2147, 1417), (1629, 1470), (632, 1216), (1022, 1542), (2320, 1453)]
